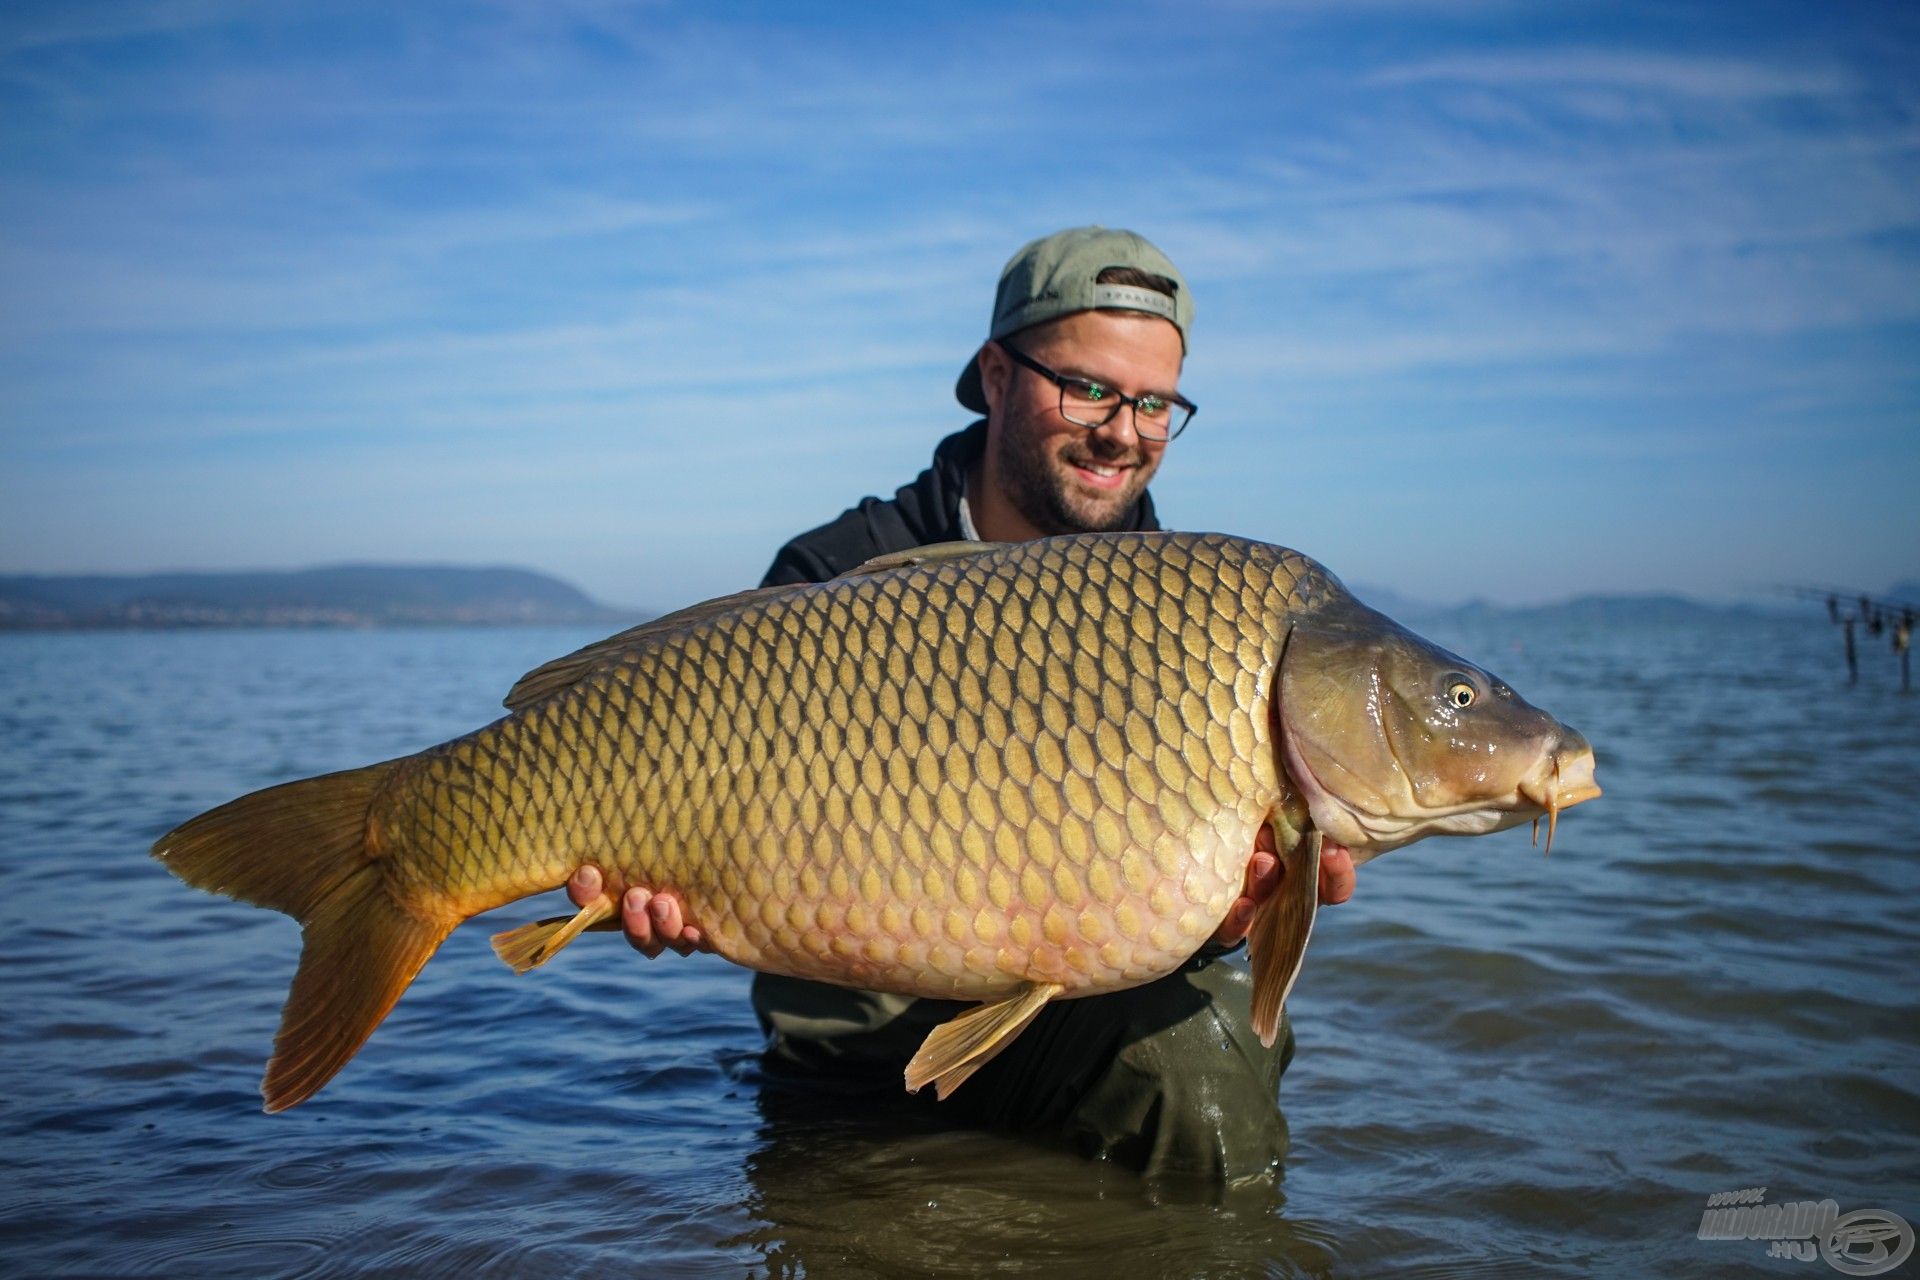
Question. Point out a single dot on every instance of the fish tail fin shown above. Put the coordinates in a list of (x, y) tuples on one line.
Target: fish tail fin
[(305, 848), (361, 950)]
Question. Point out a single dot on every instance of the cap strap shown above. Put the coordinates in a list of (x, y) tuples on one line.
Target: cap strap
[(1132, 298)]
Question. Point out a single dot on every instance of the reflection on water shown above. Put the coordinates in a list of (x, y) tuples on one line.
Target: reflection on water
[(928, 1199), (1507, 1065)]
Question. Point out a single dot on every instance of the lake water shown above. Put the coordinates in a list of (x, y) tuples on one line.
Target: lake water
[(1508, 1065)]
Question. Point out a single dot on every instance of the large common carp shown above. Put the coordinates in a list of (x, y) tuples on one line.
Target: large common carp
[(1008, 773)]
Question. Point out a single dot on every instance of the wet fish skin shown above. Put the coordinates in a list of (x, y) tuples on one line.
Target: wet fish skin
[(1044, 763), (1008, 773)]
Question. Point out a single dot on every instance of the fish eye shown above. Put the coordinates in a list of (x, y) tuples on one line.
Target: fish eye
[(1461, 693)]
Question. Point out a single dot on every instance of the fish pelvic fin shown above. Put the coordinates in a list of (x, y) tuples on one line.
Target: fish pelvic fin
[(1277, 943), (532, 945), (305, 848), (955, 1050)]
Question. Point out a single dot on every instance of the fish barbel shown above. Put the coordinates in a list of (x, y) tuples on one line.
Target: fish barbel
[(1007, 773)]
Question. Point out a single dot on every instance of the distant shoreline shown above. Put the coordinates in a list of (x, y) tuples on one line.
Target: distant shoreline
[(611, 623), (379, 597), (336, 597)]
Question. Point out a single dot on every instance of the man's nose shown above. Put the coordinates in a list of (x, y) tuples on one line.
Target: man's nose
[(1120, 431)]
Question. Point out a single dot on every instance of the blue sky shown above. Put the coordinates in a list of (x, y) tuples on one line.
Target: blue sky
[(1509, 300)]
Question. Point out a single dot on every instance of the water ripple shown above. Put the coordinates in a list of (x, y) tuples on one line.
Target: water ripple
[(1507, 1065)]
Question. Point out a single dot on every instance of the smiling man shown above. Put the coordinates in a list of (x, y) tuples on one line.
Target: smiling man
[(1078, 380)]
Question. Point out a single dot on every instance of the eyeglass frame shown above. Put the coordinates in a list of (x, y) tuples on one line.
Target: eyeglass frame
[(1121, 398)]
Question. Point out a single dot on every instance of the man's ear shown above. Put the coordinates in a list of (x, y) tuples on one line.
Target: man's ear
[(995, 373)]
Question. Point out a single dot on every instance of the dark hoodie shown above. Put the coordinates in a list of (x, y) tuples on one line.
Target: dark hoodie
[(924, 512)]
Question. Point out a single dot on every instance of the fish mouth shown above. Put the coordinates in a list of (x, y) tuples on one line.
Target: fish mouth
[(1566, 781)]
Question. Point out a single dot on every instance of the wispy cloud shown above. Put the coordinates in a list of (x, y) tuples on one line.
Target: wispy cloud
[(45, 26), (646, 275), (1567, 69)]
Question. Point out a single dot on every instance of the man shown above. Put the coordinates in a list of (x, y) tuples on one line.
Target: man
[(1078, 381)]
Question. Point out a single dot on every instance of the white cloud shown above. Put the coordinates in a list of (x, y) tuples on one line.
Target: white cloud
[(1682, 75)]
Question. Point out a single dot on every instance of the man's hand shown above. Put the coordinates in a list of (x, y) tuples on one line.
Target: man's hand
[(653, 922), (1336, 873), (1263, 877)]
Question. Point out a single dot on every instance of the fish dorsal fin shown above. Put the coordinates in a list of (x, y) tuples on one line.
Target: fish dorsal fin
[(1277, 944), (564, 672), (933, 553)]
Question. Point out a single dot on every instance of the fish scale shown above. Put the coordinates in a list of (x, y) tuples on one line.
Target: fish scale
[(1007, 773), (905, 782)]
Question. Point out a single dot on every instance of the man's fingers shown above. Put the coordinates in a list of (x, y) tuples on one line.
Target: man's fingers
[(637, 923), (665, 910), (1234, 927), (584, 886), (670, 925), (656, 922), (1263, 877), (1336, 873), (1264, 874)]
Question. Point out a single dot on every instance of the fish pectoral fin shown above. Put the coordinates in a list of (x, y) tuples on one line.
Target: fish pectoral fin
[(932, 553), (532, 945), (1277, 943), (955, 1050)]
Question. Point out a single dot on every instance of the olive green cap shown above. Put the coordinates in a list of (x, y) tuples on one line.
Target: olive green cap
[(1056, 276)]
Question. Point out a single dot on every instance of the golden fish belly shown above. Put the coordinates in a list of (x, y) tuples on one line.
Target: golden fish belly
[(1045, 764)]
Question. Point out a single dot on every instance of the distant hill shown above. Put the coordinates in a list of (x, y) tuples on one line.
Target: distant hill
[(1620, 610), (1391, 602), (1595, 609), (350, 595)]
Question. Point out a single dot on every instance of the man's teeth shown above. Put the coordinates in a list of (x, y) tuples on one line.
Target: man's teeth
[(1099, 470)]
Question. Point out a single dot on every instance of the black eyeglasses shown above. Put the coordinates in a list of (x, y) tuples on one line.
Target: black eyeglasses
[(1093, 404)]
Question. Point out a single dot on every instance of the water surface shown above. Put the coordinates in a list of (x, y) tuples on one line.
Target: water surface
[(1507, 1064)]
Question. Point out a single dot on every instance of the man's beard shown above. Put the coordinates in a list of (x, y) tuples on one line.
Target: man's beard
[(1039, 491)]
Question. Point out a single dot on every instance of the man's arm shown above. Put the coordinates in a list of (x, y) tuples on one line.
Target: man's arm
[(795, 563)]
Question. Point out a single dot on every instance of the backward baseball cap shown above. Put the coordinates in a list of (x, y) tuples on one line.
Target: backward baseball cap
[(1057, 275)]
